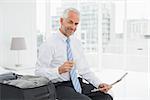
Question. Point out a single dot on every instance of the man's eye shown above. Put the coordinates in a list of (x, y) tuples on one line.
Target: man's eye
[(70, 22), (76, 23)]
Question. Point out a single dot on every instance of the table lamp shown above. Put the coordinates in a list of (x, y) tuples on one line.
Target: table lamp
[(18, 43)]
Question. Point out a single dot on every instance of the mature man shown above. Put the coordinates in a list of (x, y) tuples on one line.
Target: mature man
[(61, 59)]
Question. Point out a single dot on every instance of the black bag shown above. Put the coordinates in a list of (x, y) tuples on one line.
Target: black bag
[(10, 92)]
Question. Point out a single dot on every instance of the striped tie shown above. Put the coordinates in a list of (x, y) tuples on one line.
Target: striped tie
[(73, 74)]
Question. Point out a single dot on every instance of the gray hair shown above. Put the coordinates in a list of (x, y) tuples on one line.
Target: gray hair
[(65, 13)]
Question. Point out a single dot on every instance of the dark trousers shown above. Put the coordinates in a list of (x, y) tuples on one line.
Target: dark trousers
[(65, 91)]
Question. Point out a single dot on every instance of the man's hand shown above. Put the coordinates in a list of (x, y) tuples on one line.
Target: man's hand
[(104, 87), (66, 67)]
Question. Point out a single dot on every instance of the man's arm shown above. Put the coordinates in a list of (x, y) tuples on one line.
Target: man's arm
[(83, 67), (43, 63)]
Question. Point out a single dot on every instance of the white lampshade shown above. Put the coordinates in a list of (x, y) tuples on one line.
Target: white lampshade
[(18, 43)]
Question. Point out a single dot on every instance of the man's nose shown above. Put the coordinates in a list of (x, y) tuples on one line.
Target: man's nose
[(73, 26)]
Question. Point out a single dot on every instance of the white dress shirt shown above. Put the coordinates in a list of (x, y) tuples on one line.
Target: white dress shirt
[(53, 54)]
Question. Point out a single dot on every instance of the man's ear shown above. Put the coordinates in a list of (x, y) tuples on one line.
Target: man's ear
[(61, 20)]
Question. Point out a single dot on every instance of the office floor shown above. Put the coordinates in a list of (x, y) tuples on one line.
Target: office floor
[(135, 86)]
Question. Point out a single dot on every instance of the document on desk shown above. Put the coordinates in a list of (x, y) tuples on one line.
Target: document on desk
[(95, 90)]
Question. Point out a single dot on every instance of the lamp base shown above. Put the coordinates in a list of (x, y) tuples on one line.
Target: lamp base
[(18, 65)]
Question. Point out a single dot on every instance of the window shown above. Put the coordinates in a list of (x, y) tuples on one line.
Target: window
[(114, 33)]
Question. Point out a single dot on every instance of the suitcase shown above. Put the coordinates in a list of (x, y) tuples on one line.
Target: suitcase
[(10, 92)]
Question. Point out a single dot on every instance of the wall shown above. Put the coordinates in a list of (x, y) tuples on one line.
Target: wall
[(17, 18), (1, 38)]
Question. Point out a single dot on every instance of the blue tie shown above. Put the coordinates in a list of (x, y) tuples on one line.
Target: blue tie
[(73, 74)]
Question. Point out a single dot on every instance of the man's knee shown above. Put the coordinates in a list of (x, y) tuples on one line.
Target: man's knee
[(108, 97), (100, 96), (68, 93), (84, 97), (79, 97)]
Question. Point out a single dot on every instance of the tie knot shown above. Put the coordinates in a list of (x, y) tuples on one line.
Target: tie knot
[(68, 40)]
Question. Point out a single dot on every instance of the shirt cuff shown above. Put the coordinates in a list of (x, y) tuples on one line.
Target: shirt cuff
[(96, 83), (52, 73), (56, 70)]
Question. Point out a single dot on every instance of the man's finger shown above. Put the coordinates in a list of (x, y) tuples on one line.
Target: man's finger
[(71, 62)]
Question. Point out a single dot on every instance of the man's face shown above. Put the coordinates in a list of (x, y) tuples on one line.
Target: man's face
[(69, 25)]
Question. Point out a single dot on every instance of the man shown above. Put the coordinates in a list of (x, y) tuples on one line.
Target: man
[(61, 58)]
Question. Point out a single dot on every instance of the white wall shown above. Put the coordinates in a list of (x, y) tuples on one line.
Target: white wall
[(1, 38), (18, 19)]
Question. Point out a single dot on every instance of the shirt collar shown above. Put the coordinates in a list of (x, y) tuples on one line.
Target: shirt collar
[(62, 36)]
